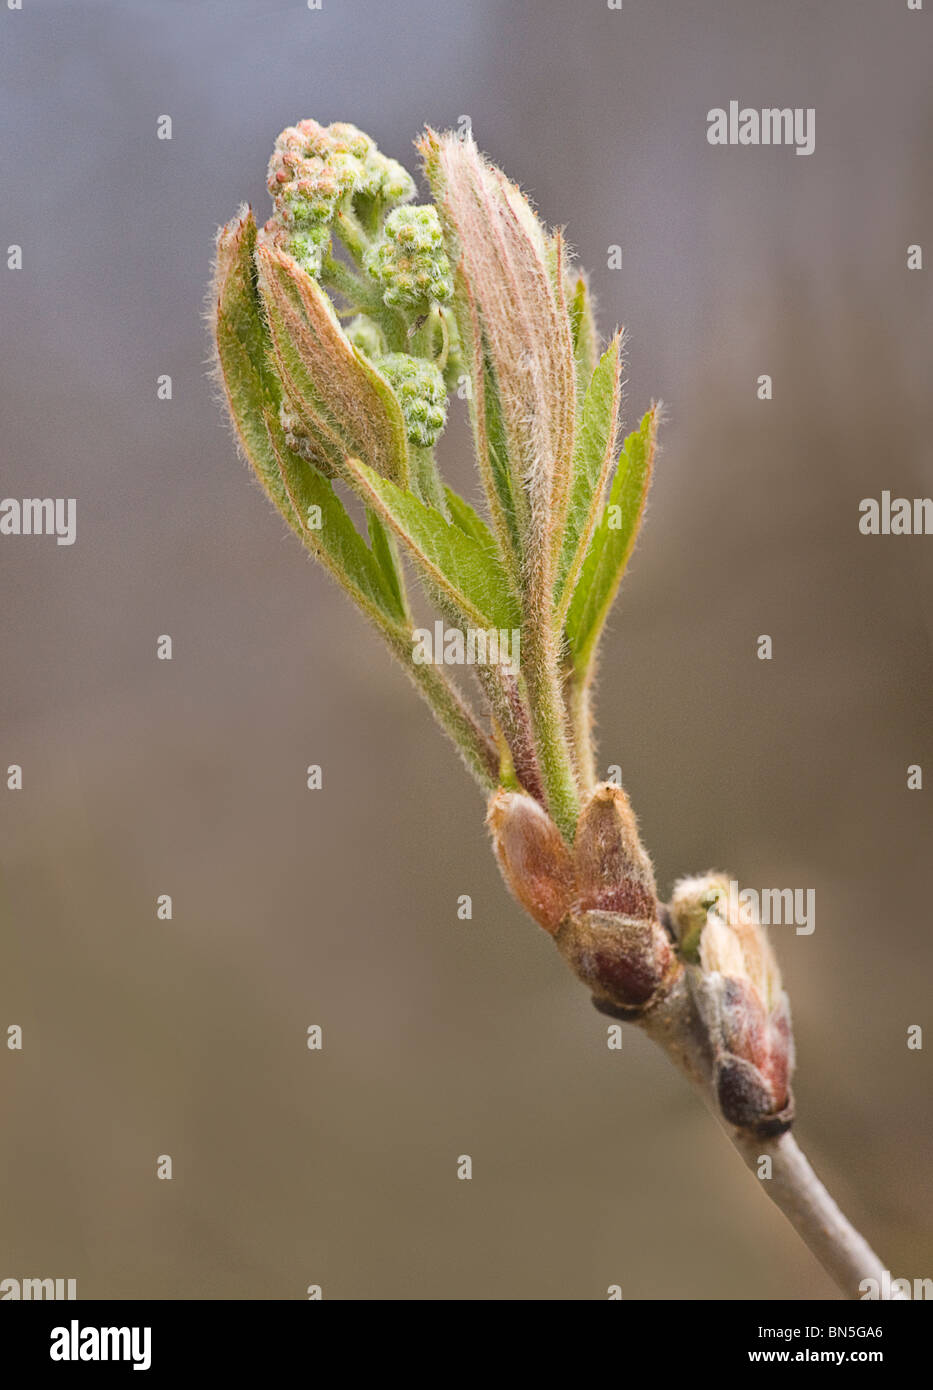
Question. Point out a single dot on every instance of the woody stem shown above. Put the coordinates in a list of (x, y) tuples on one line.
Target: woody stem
[(797, 1191), (792, 1185)]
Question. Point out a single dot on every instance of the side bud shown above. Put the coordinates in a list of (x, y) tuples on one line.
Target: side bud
[(533, 857), (614, 873), (736, 985), (614, 941)]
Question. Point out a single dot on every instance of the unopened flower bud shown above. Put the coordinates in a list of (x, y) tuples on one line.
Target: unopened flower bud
[(313, 169), (309, 247), (309, 172), (737, 988), (386, 179), (533, 857), (410, 261), (421, 393)]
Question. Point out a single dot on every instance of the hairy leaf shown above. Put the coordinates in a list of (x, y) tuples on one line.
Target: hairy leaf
[(506, 261), (583, 329), (486, 420), (469, 520), (384, 549), (593, 456), (462, 569), (253, 398), (336, 541), (612, 543), (346, 406)]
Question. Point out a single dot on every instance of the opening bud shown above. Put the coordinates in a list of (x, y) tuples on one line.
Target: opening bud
[(736, 984), (613, 871)]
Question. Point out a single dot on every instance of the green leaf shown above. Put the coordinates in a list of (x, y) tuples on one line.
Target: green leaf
[(583, 330), (593, 456), (506, 267), (469, 520), (335, 541), (253, 397), (487, 422), (497, 453), (344, 403), (612, 544), (425, 478), (462, 569), (295, 486), (242, 346), (236, 308), (382, 543)]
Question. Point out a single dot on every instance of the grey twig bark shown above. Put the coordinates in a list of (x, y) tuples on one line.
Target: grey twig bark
[(797, 1191), (792, 1185)]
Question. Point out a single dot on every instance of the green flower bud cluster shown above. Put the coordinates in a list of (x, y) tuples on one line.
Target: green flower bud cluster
[(410, 261), (314, 169), (417, 383), (420, 389)]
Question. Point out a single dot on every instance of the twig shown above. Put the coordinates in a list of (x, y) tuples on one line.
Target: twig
[(797, 1191), (791, 1184)]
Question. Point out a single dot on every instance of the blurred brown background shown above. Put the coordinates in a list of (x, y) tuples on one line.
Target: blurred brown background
[(338, 907)]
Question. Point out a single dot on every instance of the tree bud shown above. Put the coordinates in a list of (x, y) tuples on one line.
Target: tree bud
[(598, 901), (736, 984), (533, 857), (613, 871), (614, 941)]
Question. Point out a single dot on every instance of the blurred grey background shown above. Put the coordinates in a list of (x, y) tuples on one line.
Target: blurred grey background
[(338, 907)]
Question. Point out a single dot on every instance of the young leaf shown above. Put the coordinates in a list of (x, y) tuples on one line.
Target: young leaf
[(469, 521), (612, 543), (505, 260), (462, 569), (382, 543), (425, 478), (241, 345), (253, 398), (488, 429), (498, 454), (344, 403), (583, 329), (335, 541), (593, 455)]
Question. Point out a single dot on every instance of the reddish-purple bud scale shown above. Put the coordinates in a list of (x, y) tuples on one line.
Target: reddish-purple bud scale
[(600, 904), (534, 859), (624, 962)]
